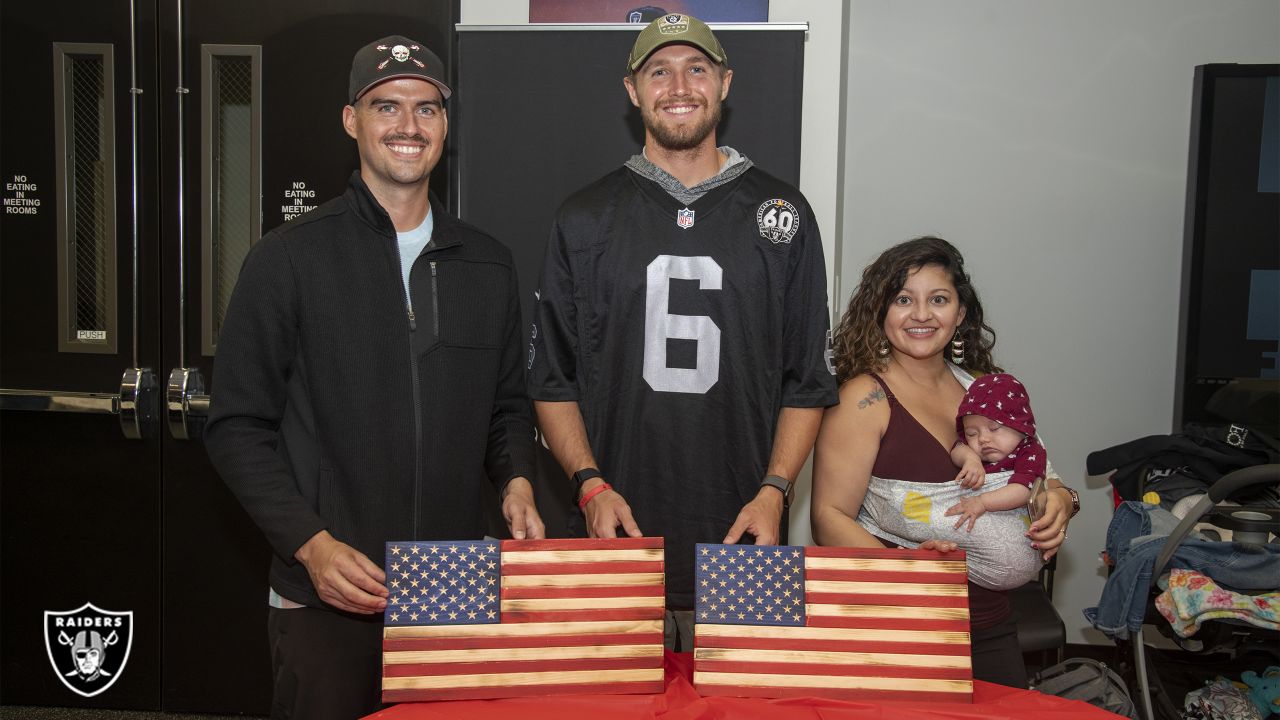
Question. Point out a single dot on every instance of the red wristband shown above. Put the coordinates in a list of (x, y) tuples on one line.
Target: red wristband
[(586, 497)]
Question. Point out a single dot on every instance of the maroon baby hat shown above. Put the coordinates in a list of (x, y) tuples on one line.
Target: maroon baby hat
[(999, 397)]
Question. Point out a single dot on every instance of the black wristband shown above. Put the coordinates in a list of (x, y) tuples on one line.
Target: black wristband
[(584, 475), (787, 489)]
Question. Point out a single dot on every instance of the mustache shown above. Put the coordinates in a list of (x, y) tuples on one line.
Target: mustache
[(401, 137), (688, 101)]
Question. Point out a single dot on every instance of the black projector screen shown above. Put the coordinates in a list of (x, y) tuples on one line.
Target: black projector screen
[(540, 111), (1229, 341)]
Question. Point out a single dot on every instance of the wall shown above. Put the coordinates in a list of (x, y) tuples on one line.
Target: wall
[(1048, 141)]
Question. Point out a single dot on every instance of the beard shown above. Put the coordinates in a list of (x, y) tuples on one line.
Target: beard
[(680, 137)]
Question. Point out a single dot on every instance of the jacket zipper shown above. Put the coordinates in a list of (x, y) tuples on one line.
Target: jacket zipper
[(417, 401), (417, 393), (417, 428), (435, 305)]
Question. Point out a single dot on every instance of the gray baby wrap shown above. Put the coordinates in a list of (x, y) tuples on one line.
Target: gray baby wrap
[(1000, 557)]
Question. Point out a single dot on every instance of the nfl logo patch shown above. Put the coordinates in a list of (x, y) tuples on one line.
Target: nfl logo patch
[(684, 218)]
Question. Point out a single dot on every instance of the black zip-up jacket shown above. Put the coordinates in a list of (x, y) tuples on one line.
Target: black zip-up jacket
[(335, 406)]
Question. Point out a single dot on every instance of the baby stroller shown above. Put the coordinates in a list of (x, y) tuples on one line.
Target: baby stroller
[(1247, 563)]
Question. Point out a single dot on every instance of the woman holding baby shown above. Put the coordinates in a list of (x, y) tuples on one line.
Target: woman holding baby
[(908, 347)]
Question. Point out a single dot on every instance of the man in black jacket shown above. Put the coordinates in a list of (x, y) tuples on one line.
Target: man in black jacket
[(369, 380)]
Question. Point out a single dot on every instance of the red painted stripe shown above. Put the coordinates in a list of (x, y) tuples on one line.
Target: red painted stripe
[(583, 568), (648, 687), (942, 601), (862, 646), (470, 643), (880, 554), (912, 578), (824, 669), (889, 623), (914, 696), (515, 666), (583, 544), (655, 613)]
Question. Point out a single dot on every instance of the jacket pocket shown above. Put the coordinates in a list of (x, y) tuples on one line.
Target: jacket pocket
[(329, 505), (472, 303)]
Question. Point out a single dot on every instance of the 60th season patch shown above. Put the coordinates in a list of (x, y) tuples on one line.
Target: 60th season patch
[(88, 647), (778, 220)]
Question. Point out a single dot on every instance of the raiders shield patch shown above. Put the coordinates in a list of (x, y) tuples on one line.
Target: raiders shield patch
[(88, 647), (778, 220)]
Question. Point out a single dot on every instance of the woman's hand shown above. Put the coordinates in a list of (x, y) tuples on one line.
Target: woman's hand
[(1048, 533), (942, 546)]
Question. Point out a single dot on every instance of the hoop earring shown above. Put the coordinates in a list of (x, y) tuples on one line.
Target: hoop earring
[(883, 350), (957, 349)]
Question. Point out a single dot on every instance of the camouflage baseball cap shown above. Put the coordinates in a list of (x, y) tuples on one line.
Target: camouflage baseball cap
[(392, 57), (672, 29)]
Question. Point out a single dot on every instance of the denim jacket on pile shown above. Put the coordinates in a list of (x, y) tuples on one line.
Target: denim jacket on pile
[(1134, 538)]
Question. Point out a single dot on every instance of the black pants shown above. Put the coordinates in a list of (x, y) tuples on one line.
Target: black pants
[(677, 631), (996, 655), (327, 665)]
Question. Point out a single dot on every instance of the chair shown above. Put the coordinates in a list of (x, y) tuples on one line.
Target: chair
[(1040, 627)]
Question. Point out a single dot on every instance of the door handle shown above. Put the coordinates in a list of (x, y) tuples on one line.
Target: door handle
[(187, 403), (135, 404)]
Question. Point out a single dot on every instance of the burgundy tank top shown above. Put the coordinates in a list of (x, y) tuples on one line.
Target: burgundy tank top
[(910, 452)]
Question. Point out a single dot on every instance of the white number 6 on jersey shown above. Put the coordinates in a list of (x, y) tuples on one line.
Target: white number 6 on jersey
[(660, 325)]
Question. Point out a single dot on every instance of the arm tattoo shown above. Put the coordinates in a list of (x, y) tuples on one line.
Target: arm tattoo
[(872, 397)]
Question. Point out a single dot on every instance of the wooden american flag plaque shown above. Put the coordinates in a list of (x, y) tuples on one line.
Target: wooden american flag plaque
[(493, 619), (854, 623)]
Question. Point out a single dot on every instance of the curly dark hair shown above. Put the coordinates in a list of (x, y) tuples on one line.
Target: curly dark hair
[(860, 332)]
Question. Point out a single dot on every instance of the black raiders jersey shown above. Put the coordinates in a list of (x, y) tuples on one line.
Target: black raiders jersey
[(681, 331)]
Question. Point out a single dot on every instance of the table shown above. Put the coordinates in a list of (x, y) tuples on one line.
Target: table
[(681, 702)]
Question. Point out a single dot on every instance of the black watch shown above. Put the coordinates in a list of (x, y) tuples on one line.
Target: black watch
[(787, 489), (582, 476)]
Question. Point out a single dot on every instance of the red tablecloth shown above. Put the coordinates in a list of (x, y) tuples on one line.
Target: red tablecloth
[(681, 702)]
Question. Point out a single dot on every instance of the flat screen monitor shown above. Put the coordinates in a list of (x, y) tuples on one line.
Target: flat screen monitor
[(1229, 340)]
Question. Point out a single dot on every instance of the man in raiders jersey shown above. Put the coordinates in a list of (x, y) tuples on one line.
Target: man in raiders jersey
[(678, 360)]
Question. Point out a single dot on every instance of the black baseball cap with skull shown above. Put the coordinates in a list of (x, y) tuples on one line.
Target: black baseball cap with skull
[(392, 57)]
